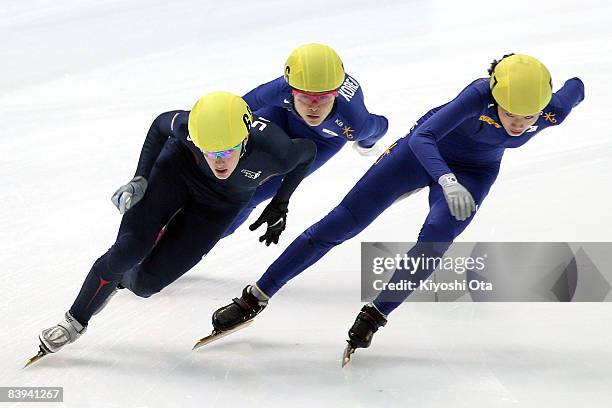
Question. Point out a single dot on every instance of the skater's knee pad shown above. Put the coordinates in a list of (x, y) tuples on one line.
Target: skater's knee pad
[(335, 228)]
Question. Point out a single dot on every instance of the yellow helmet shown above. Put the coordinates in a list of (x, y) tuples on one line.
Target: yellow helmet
[(314, 68), (521, 84), (219, 121)]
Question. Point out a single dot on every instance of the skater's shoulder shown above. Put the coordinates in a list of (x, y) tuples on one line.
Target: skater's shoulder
[(267, 137), (274, 90), (173, 121), (480, 87), (350, 94), (475, 98)]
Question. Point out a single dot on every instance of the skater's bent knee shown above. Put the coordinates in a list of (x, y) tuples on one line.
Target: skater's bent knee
[(144, 290)]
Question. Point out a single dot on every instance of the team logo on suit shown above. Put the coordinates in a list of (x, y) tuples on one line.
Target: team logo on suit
[(348, 132), (386, 152), (549, 116)]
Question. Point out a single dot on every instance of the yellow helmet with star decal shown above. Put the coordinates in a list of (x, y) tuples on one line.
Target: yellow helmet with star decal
[(521, 84)]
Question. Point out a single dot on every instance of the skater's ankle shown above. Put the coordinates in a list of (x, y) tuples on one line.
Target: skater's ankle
[(76, 321), (258, 293), (378, 309)]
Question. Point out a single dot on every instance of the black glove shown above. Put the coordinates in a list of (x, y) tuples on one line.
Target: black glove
[(275, 214)]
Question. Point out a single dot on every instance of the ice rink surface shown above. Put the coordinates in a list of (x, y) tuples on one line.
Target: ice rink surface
[(81, 83)]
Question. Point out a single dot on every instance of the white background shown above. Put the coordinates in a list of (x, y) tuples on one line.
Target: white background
[(80, 84)]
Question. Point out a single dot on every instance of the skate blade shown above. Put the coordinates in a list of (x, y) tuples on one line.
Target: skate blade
[(216, 335), (41, 353), (346, 356)]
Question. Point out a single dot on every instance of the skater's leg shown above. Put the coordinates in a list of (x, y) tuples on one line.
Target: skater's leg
[(191, 234), (437, 234), (165, 194), (400, 172)]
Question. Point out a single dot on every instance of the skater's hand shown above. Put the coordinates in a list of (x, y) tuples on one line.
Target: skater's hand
[(371, 151), (128, 195), (459, 200), (275, 215)]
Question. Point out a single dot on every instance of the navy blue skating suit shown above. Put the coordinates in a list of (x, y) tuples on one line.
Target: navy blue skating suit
[(182, 188), (349, 120), (464, 137)]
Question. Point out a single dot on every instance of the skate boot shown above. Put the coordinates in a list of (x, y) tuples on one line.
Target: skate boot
[(237, 315), (241, 310), (103, 305), (65, 332), (56, 337), (368, 321)]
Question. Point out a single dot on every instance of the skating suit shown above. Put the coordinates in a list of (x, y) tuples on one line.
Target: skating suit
[(464, 137)]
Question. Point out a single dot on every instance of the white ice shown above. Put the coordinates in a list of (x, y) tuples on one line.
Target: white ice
[(80, 82)]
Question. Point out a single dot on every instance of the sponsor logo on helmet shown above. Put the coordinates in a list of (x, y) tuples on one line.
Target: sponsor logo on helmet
[(550, 117), (251, 174), (349, 88), (488, 120)]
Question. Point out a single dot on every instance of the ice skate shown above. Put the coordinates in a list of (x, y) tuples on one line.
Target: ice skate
[(67, 331), (368, 321), (237, 315)]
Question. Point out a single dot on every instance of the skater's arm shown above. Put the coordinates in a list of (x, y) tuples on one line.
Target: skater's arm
[(159, 132), (268, 94), (297, 163), (568, 97), (300, 154), (423, 143), (370, 128), (375, 127)]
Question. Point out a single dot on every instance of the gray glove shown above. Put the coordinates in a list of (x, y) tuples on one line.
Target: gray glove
[(128, 195), (459, 200)]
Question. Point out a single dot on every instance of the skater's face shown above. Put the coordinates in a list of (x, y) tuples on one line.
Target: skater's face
[(313, 108), (516, 125), (223, 165)]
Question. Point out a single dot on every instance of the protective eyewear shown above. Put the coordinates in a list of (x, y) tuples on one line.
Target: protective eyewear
[(223, 154), (312, 98)]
